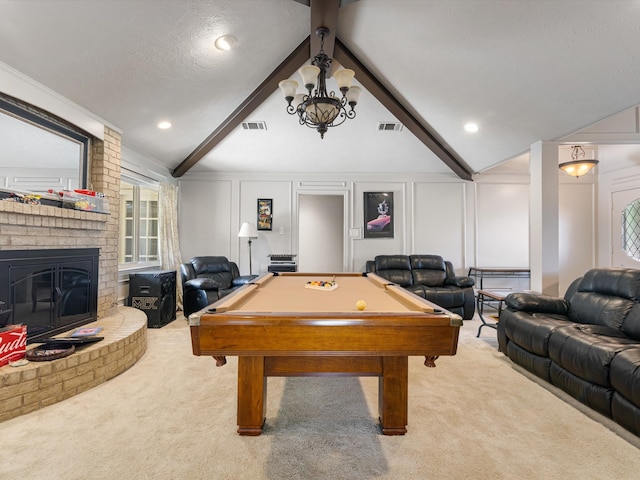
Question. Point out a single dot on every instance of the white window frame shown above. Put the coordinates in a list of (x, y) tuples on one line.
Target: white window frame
[(137, 182)]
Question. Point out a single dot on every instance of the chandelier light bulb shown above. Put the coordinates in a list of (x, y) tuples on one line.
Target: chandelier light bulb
[(344, 78), (353, 94), (309, 74), (288, 88)]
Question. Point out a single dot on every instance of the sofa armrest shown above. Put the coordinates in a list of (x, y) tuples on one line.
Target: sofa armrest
[(460, 281), (537, 303), (200, 284), (243, 280)]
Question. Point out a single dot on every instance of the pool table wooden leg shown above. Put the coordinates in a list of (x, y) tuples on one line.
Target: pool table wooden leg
[(252, 395), (393, 395)]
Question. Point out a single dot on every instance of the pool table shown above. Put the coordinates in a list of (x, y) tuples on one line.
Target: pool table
[(278, 326)]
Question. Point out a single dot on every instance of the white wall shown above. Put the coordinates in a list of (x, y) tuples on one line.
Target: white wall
[(577, 223), (439, 220), (277, 240), (480, 223), (433, 214), (367, 248), (212, 210), (502, 215), (206, 219)]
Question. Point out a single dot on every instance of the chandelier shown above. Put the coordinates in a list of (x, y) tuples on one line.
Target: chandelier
[(578, 165), (317, 108)]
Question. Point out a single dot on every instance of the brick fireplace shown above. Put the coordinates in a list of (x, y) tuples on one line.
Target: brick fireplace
[(41, 227), (24, 226)]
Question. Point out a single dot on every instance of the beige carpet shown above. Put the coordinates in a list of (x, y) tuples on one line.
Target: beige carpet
[(172, 416)]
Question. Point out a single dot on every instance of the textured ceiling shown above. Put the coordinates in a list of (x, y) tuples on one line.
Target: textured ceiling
[(523, 70)]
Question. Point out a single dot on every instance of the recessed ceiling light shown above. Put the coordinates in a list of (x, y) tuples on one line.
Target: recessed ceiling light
[(164, 125), (225, 42), (471, 127)]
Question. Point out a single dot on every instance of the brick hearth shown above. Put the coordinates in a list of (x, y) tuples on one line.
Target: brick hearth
[(38, 384)]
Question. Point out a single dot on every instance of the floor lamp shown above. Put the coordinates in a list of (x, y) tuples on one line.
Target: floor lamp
[(248, 230)]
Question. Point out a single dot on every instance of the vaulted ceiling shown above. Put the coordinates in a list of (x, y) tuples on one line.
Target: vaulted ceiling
[(522, 70)]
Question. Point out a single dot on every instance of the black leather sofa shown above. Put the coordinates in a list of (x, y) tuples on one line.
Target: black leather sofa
[(586, 343), (430, 277), (207, 279)]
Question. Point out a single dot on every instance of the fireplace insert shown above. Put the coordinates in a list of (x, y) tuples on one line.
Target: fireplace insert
[(50, 291)]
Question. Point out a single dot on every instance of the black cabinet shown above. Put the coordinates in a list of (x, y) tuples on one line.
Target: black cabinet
[(154, 292), (282, 262), (282, 267)]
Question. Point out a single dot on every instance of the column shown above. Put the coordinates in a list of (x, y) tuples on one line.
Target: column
[(543, 218)]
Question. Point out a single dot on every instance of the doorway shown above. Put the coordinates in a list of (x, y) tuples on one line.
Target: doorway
[(321, 235)]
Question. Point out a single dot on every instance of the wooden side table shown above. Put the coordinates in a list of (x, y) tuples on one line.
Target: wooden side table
[(493, 299)]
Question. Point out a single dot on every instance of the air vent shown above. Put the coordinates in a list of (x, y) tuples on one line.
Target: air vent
[(254, 125), (389, 126)]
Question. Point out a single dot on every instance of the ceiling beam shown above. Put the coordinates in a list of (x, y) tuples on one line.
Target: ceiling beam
[(421, 130), (324, 13), (287, 68)]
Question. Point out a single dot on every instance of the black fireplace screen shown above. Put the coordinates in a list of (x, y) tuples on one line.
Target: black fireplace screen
[(49, 291)]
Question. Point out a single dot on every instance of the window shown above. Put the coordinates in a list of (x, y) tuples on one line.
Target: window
[(631, 230), (138, 243)]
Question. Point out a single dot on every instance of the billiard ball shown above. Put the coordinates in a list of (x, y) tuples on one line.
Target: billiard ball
[(361, 305)]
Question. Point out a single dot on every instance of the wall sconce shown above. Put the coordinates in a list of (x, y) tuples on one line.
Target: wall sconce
[(578, 166)]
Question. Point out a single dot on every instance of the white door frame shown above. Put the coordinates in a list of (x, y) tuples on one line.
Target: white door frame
[(344, 193)]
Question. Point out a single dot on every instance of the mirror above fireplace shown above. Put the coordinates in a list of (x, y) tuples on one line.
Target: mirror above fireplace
[(38, 153)]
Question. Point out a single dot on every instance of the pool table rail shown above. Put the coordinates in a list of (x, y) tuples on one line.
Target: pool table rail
[(312, 340)]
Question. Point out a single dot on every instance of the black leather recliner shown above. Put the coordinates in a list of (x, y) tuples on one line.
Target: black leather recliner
[(586, 343), (430, 277), (207, 279)]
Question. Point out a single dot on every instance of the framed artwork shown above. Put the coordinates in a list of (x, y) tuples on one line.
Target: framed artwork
[(265, 217), (378, 214)]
